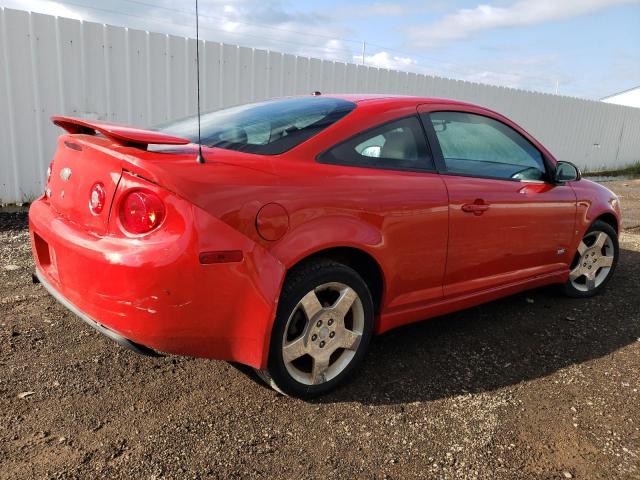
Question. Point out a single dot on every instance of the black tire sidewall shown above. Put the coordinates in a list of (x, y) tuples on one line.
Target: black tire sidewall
[(297, 285), (597, 226)]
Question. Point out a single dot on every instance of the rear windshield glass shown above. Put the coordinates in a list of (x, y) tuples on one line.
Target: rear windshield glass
[(267, 128)]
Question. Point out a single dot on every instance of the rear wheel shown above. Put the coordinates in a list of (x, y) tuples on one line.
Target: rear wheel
[(594, 261), (322, 329)]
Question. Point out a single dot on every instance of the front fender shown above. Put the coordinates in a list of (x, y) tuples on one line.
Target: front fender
[(593, 201)]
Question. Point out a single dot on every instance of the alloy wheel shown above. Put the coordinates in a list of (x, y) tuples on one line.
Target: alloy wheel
[(594, 261), (323, 333)]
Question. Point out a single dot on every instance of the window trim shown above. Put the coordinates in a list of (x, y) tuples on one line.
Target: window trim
[(438, 156), (426, 165)]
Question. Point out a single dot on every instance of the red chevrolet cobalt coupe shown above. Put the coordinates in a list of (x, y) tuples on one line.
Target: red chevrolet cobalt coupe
[(311, 223)]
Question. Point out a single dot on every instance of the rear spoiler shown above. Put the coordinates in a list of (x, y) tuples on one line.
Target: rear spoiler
[(123, 134)]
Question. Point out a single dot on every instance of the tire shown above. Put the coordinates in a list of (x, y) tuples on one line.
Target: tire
[(322, 329), (594, 262)]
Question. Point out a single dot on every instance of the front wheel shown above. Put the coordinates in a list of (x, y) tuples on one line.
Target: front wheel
[(321, 331), (594, 262)]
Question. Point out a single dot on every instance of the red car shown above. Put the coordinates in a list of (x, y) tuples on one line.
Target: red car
[(312, 223)]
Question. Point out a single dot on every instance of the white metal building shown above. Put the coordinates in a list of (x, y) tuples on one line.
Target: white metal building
[(629, 98)]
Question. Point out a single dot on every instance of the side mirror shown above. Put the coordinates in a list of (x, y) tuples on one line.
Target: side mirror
[(566, 172)]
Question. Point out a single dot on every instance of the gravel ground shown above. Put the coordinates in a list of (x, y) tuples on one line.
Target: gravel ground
[(629, 193), (531, 386)]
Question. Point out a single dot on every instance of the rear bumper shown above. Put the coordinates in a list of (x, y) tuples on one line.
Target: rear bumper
[(153, 292), (119, 339)]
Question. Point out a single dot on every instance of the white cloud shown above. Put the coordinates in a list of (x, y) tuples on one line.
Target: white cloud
[(387, 9), (386, 60), (377, 9), (265, 24), (468, 21), (44, 6)]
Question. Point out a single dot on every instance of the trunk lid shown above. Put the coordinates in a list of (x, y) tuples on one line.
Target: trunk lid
[(76, 167), (84, 159)]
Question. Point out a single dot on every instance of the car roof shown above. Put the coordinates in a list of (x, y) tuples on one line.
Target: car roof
[(378, 99), (394, 99)]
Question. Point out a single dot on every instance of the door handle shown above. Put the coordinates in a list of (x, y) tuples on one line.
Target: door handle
[(477, 208)]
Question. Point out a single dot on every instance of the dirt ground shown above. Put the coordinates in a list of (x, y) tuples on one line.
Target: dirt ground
[(531, 386)]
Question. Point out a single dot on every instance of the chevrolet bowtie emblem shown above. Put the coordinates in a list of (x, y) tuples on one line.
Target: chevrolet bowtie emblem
[(65, 173)]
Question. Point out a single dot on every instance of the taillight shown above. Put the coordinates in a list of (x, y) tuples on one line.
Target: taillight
[(97, 198), (141, 211)]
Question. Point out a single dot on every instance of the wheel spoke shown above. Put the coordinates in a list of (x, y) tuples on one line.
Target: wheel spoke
[(605, 261), (311, 304), (576, 273), (350, 339), (294, 350), (582, 248), (345, 300), (591, 282), (601, 238), (319, 371)]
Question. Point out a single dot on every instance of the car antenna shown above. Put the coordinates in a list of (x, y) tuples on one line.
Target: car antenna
[(200, 157)]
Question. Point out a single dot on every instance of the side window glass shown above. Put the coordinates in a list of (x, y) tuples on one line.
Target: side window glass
[(480, 146), (399, 144)]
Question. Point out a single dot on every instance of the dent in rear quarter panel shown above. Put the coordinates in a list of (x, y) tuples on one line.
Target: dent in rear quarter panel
[(237, 300), (244, 295)]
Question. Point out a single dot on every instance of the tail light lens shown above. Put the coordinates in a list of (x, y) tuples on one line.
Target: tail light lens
[(141, 211), (97, 198)]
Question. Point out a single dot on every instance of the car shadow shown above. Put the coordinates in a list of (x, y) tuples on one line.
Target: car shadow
[(505, 342)]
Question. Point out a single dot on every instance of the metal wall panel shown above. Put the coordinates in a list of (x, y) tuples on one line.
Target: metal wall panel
[(54, 65)]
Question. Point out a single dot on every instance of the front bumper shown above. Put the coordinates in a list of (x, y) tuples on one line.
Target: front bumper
[(153, 293)]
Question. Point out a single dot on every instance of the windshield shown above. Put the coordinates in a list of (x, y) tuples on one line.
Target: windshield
[(267, 128)]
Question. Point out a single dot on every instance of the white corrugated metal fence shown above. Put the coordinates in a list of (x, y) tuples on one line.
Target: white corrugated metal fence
[(54, 65)]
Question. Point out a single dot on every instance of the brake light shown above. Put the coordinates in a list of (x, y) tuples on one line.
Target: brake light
[(141, 211), (97, 198)]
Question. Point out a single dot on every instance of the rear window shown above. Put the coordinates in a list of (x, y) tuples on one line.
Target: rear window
[(266, 128)]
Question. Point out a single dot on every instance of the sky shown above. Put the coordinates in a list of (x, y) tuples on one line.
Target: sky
[(582, 48)]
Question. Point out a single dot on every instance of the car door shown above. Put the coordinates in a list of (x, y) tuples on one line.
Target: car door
[(388, 174), (507, 221)]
